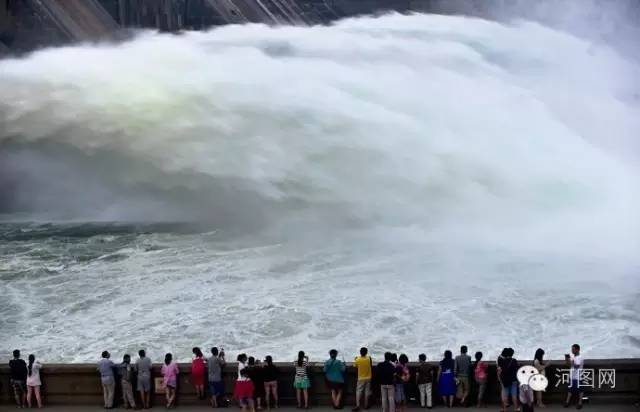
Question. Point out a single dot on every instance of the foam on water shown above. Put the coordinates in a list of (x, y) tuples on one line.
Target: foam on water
[(410, 182)]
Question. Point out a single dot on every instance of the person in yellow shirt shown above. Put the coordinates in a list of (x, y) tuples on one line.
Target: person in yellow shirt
[(363, 387)]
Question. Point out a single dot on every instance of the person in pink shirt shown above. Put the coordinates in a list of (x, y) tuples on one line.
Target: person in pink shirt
[(480, 375), (170, 373)]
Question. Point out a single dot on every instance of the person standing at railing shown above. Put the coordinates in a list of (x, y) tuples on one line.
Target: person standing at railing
[(480, 375), (334, 376), (216, 384), (270, 382), (105, 367), (576, 363), (256, 374), (33, 381), (18, 379), (170, 373), (385, 373), (446, 379), (402, 378), (125, 370), (462, 371), (364, 365), (424, 380), (243, 390), (143, 367), (541, 367), (198, 372), (301, 381), (508, 376)]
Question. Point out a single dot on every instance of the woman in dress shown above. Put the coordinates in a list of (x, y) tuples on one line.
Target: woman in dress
[(170, 373), (301, 382), (198, 371), (33, 381), (243, 390), (446, 381), (541, 366)]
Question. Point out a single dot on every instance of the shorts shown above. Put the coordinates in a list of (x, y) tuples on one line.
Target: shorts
[(574, 388), (245, 401), (363, 388), (144, 384), (216, 388), (463, 387), (271, 385), (301, 382), (399, 393), (334, 386), (511, 390), (19, 387)]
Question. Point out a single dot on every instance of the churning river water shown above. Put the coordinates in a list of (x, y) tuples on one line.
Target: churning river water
[(403, 182)]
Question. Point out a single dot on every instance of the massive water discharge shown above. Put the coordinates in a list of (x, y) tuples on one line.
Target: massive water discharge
[(406, 182)]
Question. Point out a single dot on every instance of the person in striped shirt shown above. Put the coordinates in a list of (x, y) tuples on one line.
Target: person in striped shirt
[(301, 381)]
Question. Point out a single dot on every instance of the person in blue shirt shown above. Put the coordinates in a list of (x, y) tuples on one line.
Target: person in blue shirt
[(446, 380), (334, 376)]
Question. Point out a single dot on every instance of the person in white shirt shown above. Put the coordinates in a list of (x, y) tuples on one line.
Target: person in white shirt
[(33, 381), (576, 363), (541, 366), (243, 390)]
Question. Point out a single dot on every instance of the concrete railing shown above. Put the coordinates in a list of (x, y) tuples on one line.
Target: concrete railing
[(80, 383)]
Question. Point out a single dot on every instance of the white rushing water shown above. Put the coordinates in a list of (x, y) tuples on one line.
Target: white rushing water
[(405, 182)]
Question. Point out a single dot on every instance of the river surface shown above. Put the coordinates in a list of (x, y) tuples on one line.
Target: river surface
[(406, 183)]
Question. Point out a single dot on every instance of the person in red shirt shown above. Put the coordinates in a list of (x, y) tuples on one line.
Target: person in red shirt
[(198, 372)]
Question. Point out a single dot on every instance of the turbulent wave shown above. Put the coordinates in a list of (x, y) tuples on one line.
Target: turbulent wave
[(431, 148)]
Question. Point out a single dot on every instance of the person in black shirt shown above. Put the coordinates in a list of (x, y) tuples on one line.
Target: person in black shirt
[(18, 378), (126, 373), (424, 380), (508, 376), (385, 371), (257, 377), (270, 375)]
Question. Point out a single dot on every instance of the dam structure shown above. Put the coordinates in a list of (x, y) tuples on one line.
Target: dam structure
[(31, 24), (26, 25)]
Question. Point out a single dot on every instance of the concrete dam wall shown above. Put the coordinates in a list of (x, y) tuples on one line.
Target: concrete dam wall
[(30, 24), (198, 14)]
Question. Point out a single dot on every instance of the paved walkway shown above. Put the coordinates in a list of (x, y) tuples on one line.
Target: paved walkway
[(587, 408)]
